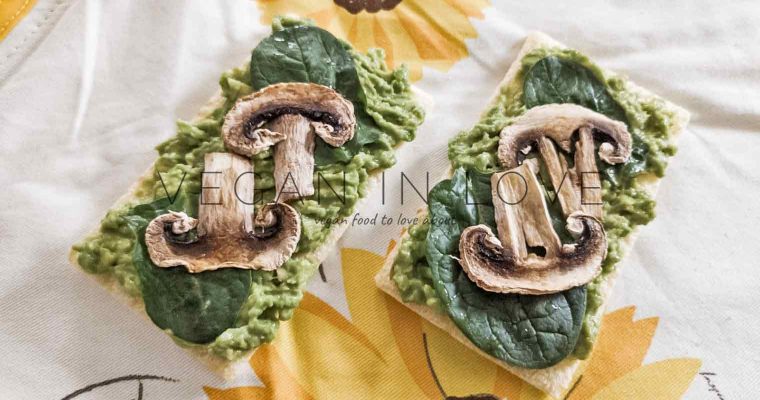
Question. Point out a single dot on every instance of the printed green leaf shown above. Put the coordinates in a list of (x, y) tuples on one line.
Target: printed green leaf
[(195, 307), (310, 54), (525, 331)]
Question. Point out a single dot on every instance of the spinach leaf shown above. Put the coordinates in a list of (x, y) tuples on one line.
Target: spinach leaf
[(366, 132), (195, 307), (554, 80), (310, 54), (622, 174), (479, 192), (525, 331)]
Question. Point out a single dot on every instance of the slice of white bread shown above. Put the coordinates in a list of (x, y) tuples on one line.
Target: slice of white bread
[(223, 367), (558, 379)]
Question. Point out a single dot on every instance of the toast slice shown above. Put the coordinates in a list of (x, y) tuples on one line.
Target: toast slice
[(225, 368), (558, 379)]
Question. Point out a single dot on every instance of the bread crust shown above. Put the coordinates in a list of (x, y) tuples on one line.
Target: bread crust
[(558, 379)]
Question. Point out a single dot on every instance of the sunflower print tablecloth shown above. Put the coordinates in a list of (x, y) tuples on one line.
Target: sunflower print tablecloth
[(113, 75)]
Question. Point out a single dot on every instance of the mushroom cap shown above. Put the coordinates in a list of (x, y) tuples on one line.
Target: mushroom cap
[(244, 130), (495, 269), (559, 122), (277, 230)]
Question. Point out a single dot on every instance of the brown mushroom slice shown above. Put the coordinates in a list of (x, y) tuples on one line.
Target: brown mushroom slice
[(287, 116), (227, 235), (528, 257), (566, 183), (559, 122), (578, 188)]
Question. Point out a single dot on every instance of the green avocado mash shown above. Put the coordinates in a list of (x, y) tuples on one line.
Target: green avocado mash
[(626, 204), (387, 114)]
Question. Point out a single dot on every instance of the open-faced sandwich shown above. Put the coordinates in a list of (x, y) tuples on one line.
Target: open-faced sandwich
[(518, 250), (219, 237)]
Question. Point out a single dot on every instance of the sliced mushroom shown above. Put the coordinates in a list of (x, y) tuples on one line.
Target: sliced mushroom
[(528, 257), (578, 188), (559, 122), (286, 116), (226, 232)]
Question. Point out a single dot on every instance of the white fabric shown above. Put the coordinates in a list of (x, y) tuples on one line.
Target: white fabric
[(80, 115), (25, 37)]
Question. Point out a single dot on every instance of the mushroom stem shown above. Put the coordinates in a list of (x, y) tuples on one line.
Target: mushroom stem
[(588, 175), (293, 157), (563, 179), (523, 222), (507, 190), (226, 201)]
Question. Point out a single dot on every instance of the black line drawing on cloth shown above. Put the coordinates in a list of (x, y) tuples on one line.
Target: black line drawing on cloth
[(479, 396), (126, 378)]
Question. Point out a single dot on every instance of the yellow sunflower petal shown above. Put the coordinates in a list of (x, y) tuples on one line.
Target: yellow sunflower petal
[(272, 372), (507, 385), (406, 327), (331, 364), (470, 8), (619, 349), (361, 34), (432, 44), (446, 19), (239, 393), (402, 47), (342, 25), (382, 40), (662, 380), (318, 307), (460, 370), (277, 382), (323, 17)]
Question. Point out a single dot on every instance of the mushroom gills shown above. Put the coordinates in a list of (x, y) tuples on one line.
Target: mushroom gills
[(226, 232), (547, 127), (287, 116), (528, 257)]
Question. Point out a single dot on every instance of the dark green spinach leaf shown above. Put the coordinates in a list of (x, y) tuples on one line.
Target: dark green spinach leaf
[(195, 307), (479, 193), (525, 331), (310, 54), (623, 174), (554, 80)]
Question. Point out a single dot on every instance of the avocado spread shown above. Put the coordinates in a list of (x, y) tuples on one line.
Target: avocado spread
[(387, 115), (626, 204)]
